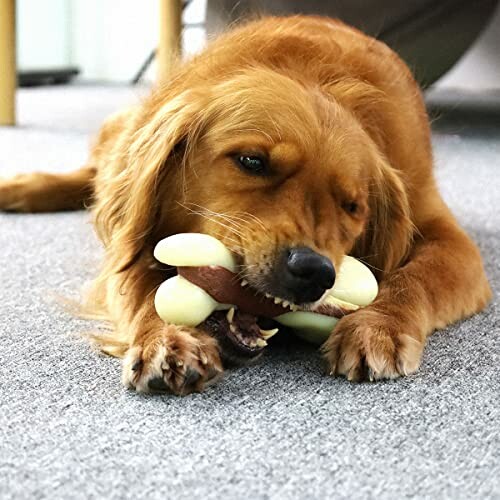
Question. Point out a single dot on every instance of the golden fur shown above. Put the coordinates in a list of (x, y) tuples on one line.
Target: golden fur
[(343, 124)]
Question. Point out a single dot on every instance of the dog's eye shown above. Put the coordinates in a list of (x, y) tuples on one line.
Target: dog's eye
[(252, 164), (350, 207)]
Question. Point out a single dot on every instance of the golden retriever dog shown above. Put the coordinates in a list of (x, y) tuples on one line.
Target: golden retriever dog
[(286, 136)]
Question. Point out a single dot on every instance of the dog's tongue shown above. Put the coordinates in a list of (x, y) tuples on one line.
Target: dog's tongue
[(226, 288)]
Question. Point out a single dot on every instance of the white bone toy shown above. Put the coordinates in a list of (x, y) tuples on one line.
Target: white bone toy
[(200, 258)]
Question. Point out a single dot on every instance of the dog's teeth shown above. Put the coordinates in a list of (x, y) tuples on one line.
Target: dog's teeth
[(232, 327), (277, 300), (261, 343), (268, 295), (294, 307), (244, 283), (267, 334), (230, 315), (285, 303)]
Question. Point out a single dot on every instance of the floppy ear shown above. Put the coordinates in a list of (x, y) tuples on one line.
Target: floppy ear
[(127, 215), (388, 235), (386, 241)]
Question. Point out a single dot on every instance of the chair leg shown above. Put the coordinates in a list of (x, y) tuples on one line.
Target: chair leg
[(169, 46), (8, 77)]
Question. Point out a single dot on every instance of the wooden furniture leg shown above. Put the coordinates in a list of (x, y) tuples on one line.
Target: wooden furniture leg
[(8, 77), (169, 46)]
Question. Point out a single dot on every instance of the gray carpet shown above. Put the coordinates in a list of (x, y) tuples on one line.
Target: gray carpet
[(277, 430)]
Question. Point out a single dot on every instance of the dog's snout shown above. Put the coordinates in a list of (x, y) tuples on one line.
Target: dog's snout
[(306, 274)]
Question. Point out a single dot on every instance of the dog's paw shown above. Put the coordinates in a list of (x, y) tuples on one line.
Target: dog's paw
[(369, 345), (175, 359)]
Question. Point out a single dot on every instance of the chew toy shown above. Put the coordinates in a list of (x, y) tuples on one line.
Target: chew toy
[(207, 282)]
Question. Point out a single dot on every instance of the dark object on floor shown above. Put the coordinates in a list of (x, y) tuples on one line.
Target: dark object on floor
[(50, 76)]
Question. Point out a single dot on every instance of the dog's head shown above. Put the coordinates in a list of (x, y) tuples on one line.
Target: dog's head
[(284, 174)]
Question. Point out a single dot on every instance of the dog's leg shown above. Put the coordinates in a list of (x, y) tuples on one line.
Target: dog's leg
[(42, 192), (169, 358), (156, 356), (442, 282)]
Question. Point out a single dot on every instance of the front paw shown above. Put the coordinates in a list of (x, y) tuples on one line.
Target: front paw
[(370, 345), (175, 359)]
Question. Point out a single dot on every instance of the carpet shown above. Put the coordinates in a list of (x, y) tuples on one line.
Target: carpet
[(276, 430)]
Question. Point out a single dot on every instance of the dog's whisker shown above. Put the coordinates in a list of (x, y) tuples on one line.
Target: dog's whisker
[(243, 216), (232, 217), (265, 134), (361, 259), (211, 217), (215, 221), (235, 223)]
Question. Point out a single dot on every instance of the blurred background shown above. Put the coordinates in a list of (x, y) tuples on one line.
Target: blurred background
[(108, 41), (450, 45), (105, 40), (76, 61)]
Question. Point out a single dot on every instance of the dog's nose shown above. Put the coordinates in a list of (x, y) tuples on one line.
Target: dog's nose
[(307, 274)]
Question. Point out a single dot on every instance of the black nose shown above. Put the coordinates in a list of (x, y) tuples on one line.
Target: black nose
[(306, 274)]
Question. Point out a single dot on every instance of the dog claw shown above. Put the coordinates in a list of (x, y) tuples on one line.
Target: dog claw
[(137, 365), (192, 376), (213, 373), (158, 384)]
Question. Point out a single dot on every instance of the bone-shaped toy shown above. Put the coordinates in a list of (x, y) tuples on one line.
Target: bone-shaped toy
[(207, 281)]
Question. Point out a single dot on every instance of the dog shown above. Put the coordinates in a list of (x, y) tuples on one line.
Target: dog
[(287, 136)]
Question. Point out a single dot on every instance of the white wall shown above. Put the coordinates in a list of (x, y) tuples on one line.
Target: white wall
[(107, 39), (43, 33), (110, 39)]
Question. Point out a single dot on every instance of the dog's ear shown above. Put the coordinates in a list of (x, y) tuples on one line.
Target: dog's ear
[(387, 238), (127, 217), (388, 235)]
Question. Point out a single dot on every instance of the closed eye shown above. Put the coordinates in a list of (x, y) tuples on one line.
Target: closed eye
[(351, 207)]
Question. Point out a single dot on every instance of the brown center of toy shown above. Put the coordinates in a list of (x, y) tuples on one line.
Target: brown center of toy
[(225, 287)]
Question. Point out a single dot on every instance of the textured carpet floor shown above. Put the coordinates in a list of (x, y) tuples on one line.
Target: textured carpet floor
[(278, 430)]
